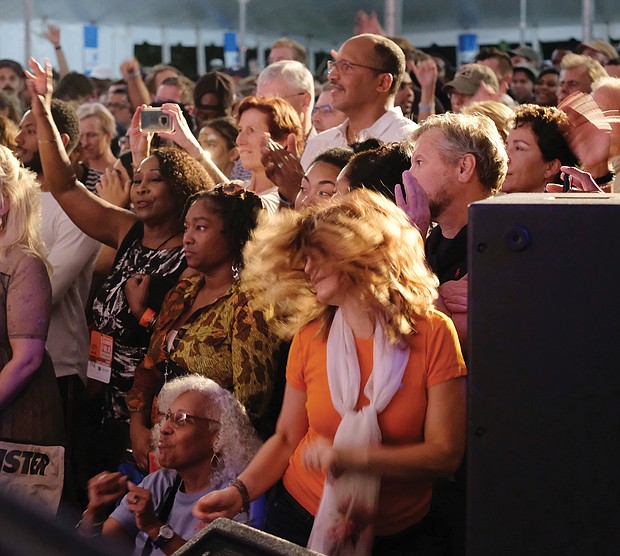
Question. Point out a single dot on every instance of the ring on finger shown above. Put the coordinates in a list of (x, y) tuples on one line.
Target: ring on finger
[(134, 499), (280, 165)]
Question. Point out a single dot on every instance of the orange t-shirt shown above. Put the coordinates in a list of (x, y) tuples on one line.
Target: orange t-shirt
[(435, 357)]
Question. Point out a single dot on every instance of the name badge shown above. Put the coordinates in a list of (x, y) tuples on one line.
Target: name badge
[(100, 357)]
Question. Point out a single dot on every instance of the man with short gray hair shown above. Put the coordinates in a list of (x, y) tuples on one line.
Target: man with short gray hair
[(292, 81), (457, 159)]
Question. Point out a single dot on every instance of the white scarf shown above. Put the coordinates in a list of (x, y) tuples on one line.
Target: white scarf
[(344, 524)]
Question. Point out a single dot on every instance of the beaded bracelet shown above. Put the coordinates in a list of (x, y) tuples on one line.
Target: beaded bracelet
[(243, 491)]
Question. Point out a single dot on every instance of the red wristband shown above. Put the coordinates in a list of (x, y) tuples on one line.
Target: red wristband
[(146, 317)]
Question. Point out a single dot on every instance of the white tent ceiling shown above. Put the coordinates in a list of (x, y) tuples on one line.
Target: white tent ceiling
[(322, 20)]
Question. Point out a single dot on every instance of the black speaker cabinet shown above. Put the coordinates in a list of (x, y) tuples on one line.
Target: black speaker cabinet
[(544, 384), (224, 537)]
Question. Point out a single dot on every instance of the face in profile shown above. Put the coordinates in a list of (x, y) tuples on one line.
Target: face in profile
[(331, 286)]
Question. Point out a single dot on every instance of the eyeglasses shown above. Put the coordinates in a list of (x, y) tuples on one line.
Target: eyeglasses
[(180, 418), (324, 109), (345, 67), (293, 95)]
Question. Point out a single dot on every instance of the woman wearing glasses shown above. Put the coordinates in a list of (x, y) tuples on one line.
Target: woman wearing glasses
[(205, 325), (324, 115), (203, 440)]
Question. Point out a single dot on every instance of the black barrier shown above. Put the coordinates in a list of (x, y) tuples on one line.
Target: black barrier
[(544, 380), (224, 537)]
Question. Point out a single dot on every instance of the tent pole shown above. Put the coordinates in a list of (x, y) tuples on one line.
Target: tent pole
[(27, 25), (587, 11), (522, 21), (393, 17), (243, 6)]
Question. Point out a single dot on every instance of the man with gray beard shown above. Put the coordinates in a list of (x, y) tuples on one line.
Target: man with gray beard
[(457, 159)]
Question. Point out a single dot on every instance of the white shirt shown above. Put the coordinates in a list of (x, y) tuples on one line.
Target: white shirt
[(72, 255), (392, 127)]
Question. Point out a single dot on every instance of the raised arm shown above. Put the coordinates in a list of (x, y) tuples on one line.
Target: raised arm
[(52, 34), (94, 216), (136, 88), (182, 135)]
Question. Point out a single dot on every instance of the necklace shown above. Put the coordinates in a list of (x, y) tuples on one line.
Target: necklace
[(166, 241)]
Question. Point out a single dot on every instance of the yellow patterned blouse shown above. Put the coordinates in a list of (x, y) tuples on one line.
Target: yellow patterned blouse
[(225, 341)]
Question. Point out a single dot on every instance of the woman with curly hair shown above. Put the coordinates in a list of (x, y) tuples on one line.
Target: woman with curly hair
[(537, 148), (204, 439), (205, 325), (148, 241), (374, 407)]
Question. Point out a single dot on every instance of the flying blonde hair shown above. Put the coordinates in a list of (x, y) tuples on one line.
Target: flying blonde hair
[(362, 235), (22, 223)]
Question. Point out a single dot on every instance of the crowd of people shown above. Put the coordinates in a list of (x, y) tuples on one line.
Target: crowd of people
[(259, 310)]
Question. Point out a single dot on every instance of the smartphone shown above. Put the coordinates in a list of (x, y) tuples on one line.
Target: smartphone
[(154, 120), (566, 183)]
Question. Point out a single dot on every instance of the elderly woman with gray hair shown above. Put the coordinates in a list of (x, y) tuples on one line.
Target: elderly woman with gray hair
[(203, 439)]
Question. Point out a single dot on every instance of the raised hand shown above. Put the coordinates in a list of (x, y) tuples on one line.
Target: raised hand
[(39, 83), (52, 34), (113, 189), (220, 503), (414, 202), (282, 165)]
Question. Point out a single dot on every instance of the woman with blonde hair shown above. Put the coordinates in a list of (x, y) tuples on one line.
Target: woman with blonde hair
[(30, 409), (374, 407)]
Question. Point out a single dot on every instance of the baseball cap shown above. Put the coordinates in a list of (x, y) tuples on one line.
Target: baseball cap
[(469, 77), (601, 46), (526, 52)]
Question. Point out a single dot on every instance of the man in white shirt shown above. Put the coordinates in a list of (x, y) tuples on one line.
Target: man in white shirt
[(364, 76), (70, 252)]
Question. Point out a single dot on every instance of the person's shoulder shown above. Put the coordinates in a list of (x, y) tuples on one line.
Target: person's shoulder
[(311, 331), (159, 480), (21, 259), (430, 323)]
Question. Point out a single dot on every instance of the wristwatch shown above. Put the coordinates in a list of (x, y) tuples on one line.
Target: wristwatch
[(165, 535)]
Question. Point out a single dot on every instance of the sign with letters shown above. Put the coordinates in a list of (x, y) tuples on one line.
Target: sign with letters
[(32, 474)]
